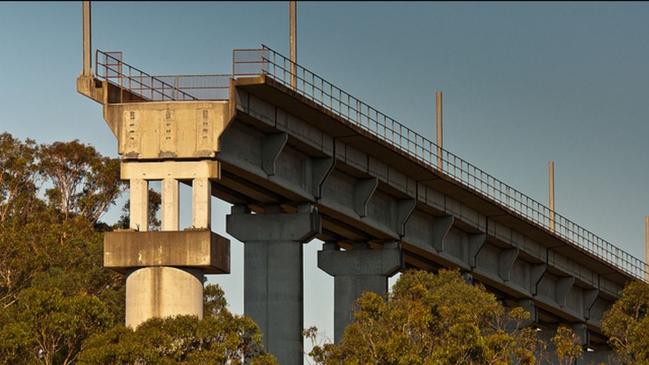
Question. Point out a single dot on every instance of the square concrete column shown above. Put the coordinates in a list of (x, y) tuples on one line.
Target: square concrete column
[(139, 204), (201, 196), (356, 271), (273, 274), (170, 204)]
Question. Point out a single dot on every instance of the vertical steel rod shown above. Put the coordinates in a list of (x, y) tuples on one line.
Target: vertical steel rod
[(646, 246), (292, 10), (87, 46), (439, 124), (551, 192)]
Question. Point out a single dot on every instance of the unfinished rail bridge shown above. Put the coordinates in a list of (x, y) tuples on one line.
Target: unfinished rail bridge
[(300, 159)]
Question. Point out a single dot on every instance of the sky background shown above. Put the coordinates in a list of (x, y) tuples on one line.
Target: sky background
[(523, 83)]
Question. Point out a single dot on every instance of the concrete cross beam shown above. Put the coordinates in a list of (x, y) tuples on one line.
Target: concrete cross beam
[(356, 271)]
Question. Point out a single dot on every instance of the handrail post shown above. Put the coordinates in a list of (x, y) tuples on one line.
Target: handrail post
[(551, 194), (293, 41), (439, 127)]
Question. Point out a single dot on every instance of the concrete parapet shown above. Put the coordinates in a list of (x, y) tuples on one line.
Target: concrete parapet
[(356, 271), (157, 292), (273, 274), (205, 250)]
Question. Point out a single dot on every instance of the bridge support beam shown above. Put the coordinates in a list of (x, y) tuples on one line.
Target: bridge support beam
[(356, 271), (273, 273)]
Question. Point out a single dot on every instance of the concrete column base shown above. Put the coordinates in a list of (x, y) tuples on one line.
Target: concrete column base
[(156, 292), (357, 271)]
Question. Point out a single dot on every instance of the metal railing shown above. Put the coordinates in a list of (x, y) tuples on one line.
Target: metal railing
[(110, 67), (323, 93)]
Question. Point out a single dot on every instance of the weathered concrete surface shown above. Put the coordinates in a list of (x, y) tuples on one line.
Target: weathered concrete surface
[(273, 274), (203, 250), (157, 292), (356, 271), (174, 129)]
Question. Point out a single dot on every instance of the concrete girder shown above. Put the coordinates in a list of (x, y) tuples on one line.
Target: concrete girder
[(506, 260), (476, 243), (405, 208), (363, 191), (273, 273), (356, 271), (441, 227), (321, 168), (536, 275), (563, 287), (271, 147), (590, 296)]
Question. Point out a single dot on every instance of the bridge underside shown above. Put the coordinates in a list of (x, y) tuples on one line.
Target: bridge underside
[(280, 149)]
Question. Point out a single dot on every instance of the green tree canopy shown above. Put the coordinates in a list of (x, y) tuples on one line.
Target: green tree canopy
[(56, 299), (627, 324), (434, 319), (220, 338)]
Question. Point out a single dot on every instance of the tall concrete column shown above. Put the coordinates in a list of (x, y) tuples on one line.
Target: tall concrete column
[(201, 207), (170, 205), (356, 271), (273, 274), (138, 204)]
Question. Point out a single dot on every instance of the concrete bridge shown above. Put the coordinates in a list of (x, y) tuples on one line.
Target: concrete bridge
[(300, 159)]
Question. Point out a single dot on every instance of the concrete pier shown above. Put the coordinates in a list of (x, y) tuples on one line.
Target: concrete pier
[(165, 270), (273, 274), (157, 292), (356, 271)]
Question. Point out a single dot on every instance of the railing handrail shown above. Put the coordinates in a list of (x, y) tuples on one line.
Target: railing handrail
[(453, 166), (120, 74)]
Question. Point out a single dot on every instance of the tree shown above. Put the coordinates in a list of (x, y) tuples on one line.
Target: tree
[(433, 319), (220, 338), (54, 291), (83, 182), (626, 324), (57, 302), (567, 346)]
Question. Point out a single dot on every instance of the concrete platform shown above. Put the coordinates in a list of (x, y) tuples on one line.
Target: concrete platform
[(201, 249)]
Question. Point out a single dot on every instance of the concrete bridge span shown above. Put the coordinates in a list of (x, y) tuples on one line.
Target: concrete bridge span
[(305, 160)]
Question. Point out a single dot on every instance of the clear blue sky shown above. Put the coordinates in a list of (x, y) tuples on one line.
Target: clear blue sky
[(524, 83)]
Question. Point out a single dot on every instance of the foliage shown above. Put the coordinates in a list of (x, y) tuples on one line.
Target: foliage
[(627, 324), (220, 338), (433, 319), (56, 299), (84, 183), (567, 346)]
